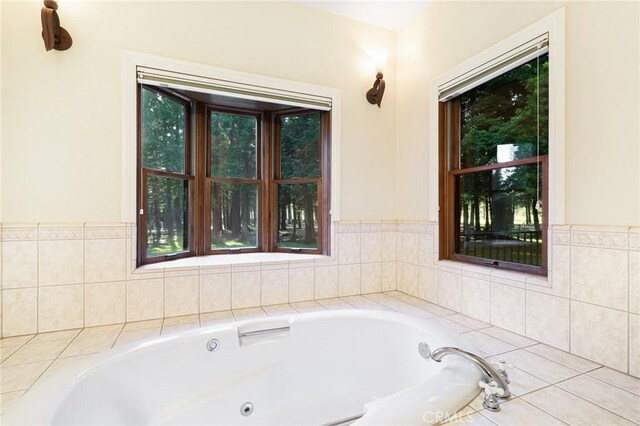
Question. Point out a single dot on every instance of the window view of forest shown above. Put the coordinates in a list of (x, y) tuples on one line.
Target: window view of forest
[(299, 160), (163, 149), (500, 211)]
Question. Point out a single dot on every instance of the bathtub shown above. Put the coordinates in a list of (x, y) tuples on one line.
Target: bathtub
[(305, 369)]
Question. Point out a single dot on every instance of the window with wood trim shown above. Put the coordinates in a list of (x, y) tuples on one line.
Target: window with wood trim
[(218, 177), (493, 171)]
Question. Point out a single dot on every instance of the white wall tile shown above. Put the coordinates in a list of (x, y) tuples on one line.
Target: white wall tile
[(599, 276), (560, 270), (389, 246), (326, 282), (425, 250), (600, 334), (547, 319), (634, 345), (301, 284), (19, 311), (245, 289), (449, 290), (104, 260), (19, 264), (508, 307), (389, 276), (409, 278), (476, 298), (60, 307), (145, 299), (349, 280), (349, 248), (371, 247), (60, 262), (428, 284), (104, 303), (215, 292), (409, 248), (275, 286), (371, 277), (182, 296), (634, 282)]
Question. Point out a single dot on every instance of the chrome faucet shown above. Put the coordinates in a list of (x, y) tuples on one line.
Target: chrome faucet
[(496, 381)]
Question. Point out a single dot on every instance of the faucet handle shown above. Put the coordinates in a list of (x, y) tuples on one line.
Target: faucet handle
[(491, 388), (501, 364)]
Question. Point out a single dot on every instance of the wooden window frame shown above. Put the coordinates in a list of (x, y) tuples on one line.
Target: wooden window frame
[(198, 170), (449, 210)]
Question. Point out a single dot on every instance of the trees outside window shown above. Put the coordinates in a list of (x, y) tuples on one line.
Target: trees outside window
[(494, 152), (214, 179)]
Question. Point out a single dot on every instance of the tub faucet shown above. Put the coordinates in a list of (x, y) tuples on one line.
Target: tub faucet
[(496, 382)]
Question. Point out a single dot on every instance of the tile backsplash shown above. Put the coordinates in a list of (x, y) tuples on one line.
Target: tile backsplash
[(63, 276)]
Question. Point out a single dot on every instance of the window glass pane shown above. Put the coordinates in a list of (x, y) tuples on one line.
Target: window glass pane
[(298, 215), (500, 120), (500, 216), (163, 132), (167, 215), (233, 145), (234, 215), (300, 145)]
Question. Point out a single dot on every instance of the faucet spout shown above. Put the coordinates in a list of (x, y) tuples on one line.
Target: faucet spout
[(488, 371)]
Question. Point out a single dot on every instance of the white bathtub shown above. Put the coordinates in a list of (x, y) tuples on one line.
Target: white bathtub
[(317, 369)]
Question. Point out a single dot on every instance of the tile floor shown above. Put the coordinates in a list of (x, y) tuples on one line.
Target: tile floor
[(549, 386)]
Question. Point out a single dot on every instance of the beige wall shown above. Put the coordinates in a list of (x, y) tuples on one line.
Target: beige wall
[(61, 119), (602, 102)]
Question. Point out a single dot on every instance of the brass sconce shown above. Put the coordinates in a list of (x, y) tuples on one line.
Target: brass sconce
[(54, 36), (374, 95)]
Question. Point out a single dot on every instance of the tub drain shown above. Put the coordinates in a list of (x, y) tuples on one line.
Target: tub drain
[(246, 409)]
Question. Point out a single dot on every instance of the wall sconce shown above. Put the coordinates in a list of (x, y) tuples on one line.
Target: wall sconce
[(374, 95), (54, 36)]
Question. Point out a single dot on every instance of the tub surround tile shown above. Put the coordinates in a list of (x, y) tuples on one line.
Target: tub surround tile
[(19, 264), (8, 398), (563, 358), (182, 296), (215, 318), (617, 379), (60, 262), (371, 247), (523, 383), (508, 336), (15, 341), (277, 310), (335, 303), (600, 334), (521, 413), (614, 237), (538, 366), (104, 303), (7, 351), (486, 345), (409, 278), (326, 282), (508, 307), (142, 325), (449, 290), (34, 352), (275, 287), (422, 304), (349, 280), (614, 399), (593, 283), (634, 282), (309, 306), (19, 311), (56, 335), (388, 276), (362, 302), (181, 323), (245, 289), (301, 284), (215, 292), (64, 363), (371, 278), (476, 297), (248, 313), (22, 376), (91, 341), (104, 260), (428, 284), (145, 299), (60, 307), (548, 319), (453, 326), (389, 246), (349, 248), (572, 409), (634, 345), (130, 336), (472, 323)]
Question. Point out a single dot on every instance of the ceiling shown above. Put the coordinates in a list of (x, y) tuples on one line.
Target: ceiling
[(392, 15)]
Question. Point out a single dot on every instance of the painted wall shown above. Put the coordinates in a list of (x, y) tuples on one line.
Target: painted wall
[(61, 119), (602, 102)]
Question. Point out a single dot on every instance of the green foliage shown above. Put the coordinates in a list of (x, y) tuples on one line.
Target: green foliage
[(233, 145), (163, 132)]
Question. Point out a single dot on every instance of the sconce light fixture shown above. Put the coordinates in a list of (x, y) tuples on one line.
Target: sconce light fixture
[(374, 95), (54, 36)]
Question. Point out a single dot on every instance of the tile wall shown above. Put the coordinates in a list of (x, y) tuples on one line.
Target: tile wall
[(589, 305), (57, 277)]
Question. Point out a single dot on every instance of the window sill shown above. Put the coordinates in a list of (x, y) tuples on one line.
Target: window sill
[(229, 260), (514, 278)]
